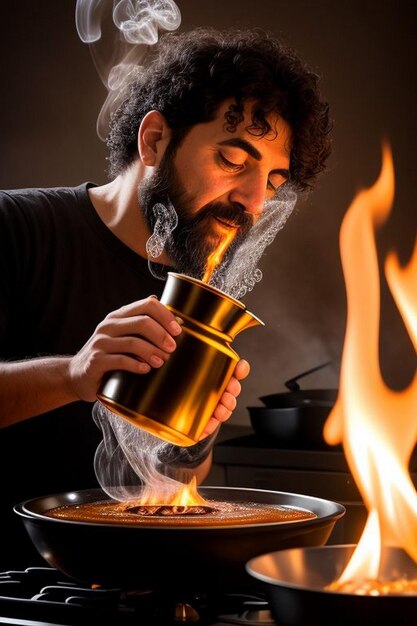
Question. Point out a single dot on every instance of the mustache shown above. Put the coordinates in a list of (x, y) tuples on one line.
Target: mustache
[(232, 214)]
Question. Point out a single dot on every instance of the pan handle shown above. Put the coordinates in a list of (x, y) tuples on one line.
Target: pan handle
[(292, 384)]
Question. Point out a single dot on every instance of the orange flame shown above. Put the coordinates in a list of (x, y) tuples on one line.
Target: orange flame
[(377, 425), (186, 495), (215, 258)]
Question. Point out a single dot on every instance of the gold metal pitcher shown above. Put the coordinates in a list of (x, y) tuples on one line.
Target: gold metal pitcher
[(176, 401)]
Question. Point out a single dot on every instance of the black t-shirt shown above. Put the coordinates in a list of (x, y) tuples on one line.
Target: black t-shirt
[(61, 272)]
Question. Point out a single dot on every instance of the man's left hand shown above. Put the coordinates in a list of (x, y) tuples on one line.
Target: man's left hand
[(228, 401)]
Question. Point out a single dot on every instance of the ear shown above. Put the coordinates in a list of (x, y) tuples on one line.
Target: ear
[(153, 138)]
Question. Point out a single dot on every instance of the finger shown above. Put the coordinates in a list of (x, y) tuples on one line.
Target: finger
[(221, 413), (134, 346), (234, 387), (111, 362), (141, 326), (211, 426), (228, 401), (154, 309), (242, 370)]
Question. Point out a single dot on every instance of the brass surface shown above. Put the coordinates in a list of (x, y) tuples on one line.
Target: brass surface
[(175, 402)]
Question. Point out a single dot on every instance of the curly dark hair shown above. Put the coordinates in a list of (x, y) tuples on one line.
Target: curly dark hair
[(191, 74)]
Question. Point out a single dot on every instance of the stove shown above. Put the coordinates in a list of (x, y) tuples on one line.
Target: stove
[(34, 594), (43, 596)]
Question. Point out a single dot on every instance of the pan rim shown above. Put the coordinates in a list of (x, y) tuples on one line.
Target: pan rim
[(339, 510), (281, 583)]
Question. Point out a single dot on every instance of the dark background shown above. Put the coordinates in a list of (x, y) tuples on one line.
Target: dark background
[(366, 54)]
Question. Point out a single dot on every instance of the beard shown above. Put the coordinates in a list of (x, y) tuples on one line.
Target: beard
[(196, 235)]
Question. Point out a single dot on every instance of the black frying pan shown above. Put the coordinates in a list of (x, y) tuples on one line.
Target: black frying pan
[(297, 397), (303, 398), (295, 418), (170, 557), (295, 579), (291, 426)]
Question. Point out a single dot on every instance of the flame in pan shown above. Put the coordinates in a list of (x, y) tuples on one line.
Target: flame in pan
[(185, 495)]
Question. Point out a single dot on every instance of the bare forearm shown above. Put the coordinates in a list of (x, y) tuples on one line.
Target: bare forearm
[(32, 387)]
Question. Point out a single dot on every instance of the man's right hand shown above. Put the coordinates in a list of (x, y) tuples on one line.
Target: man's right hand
[(135, 338)]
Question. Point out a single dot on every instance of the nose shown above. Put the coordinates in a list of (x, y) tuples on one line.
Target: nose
[(250, 194)]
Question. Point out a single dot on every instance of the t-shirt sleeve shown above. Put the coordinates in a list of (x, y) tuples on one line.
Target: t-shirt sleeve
[(12, 252)]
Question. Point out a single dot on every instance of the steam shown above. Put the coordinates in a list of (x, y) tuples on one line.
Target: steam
[(137, 24), (166, 220), (128, 461), (239, 273)]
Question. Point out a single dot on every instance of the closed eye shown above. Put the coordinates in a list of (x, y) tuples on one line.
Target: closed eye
[(279, 178), (228, 165), (280, 174)]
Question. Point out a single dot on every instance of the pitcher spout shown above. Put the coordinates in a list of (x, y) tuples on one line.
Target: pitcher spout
[(246, 320)]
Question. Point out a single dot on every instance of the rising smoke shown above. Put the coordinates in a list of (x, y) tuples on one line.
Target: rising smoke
[(136, 26), (129, 461), (127, 458), (166, 220), (239, 272)]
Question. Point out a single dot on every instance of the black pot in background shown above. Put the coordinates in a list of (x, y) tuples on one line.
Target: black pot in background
[(301, 398), (296, 426), (294, 418)]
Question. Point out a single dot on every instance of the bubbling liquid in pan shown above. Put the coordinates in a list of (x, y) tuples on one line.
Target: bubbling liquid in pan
[(214, 514)]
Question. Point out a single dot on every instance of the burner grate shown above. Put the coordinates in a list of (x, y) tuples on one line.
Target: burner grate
[(45, 595)]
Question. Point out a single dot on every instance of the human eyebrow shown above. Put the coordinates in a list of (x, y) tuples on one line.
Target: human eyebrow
[(282, 171), (238, 142)]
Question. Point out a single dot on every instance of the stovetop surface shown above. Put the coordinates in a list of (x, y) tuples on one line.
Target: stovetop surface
[(255, 450), (252, 449), (43, 596)]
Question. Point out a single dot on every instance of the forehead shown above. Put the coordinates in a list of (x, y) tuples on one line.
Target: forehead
[(277, 140)]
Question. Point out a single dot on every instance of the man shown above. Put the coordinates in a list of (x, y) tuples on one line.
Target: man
[(213, 127)]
